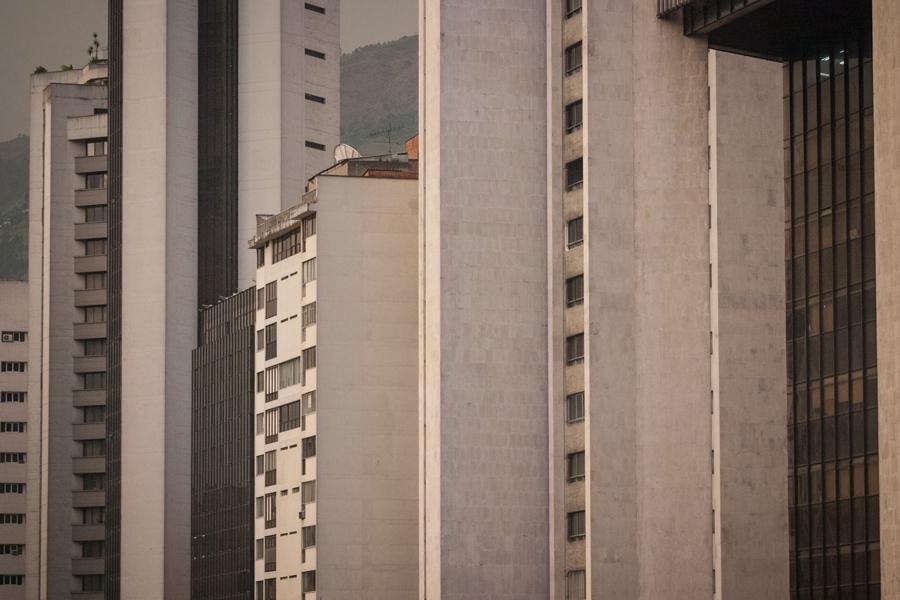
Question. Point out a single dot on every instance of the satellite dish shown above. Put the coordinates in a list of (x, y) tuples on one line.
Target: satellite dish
[(345, 151)]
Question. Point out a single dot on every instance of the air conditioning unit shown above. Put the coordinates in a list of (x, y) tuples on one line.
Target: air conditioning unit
[(7, 336)]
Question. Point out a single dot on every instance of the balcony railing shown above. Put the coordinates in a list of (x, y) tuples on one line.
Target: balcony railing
[(666, 7)]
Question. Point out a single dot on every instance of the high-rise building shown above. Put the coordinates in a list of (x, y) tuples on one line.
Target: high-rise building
[(222, 451), (675, 185), (67, 272), (195, 85), (14, 450), (336, 379)]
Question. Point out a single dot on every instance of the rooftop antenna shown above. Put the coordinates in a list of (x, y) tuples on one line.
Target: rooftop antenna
[(389, 130), (345, 151)]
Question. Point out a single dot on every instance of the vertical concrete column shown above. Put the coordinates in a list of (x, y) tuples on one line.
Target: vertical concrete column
[(484, 331), (671, 308), (886, 65), (159, 297), (749, 411)]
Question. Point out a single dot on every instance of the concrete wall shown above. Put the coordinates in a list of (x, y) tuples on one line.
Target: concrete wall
[(159, 263), (483, 414), (747, 310), (886, 48), (367, 234)]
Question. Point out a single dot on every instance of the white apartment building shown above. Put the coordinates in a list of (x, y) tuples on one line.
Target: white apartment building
[(67, 269), (14, 427), (336, 380)]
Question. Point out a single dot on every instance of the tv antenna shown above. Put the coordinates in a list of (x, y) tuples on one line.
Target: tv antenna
[(387, 131)]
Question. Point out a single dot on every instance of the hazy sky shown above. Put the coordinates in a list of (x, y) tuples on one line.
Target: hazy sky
[(56, 32)]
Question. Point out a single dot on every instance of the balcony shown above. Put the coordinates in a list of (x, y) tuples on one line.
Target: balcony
[(89, 364), (88, 533), (88, 464), (83, 499), (90, 231), (90, 331), (88, 398), (88, 431), (91, 197), (87, 566), (91, 164), (90, 264), (90, 297)]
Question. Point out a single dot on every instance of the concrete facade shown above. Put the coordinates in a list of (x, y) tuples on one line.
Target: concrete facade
[(336, 493), (67, 271), (14, 427), (635, 323)]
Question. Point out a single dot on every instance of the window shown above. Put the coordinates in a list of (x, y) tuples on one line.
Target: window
[(309, 358), (269, 501), (308, 581), (271, 299), (12, 488), (271, 383), (12, 396), (308, 492), (575, 525), (575, 466), (309, 315), (14, 336), (94, 381), (575, 585), (91, 482), (314, 8), (260, 298), (95, 181), (309, 402), (260, 552), (309, 447), (261, 257), (92, 516), (260, 340), (12, 366), (95, 347), (287, 245), (93, 414), (259, 507), (575, 348), (271, 340), (315, 145), (12, 457), (574, 173), (574, 233), (289, 416), (260, 381), (95, 214), (271, 425), (91, 583), (573, 7), (573, 58), (309, 271), (575, 290), (12, 518), (314, 98), (12, 549), (95, 281), (573, 116), (575, 407), (95, 314), (270, 589), (12, 579), (314, 53), (93, 448), (97, 148), (12, 426), (269, 552), (269, 465), (93, 549), (309, 228), (95, 247), (308, 536), (290, 373)]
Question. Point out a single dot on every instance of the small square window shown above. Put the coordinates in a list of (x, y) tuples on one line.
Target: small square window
[(574, 233), (575, 349), (575, 290), (575, 525)]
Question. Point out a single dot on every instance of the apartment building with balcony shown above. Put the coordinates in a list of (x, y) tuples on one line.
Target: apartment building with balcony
[(67, 270), (14, 427), (335, 387)]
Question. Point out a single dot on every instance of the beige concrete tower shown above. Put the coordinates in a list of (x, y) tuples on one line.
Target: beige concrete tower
[(648, 318)]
